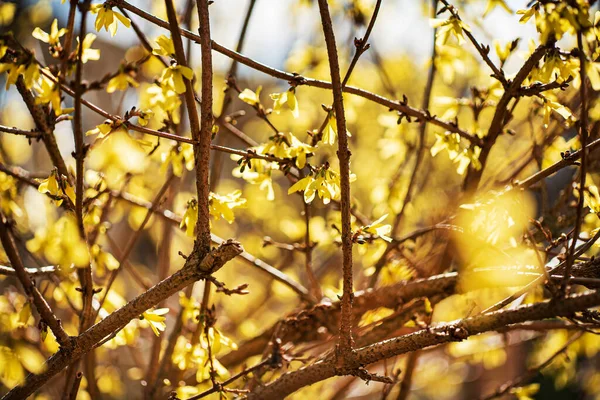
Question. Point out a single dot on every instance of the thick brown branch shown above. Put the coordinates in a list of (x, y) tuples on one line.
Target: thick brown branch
[(195, 268)]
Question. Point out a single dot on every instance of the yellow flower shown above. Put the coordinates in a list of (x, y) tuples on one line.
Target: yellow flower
[(121, 82), (330, 131), (379, 229), (107, 127), (165, 47), (325, 183), (446, 141), (190, 217), (222, 206), (29, 71), (50, 185), (12, 71), (108, 18), (53, 38), (289, 98), (300, 150), (250, 97), (527, 14), (550, 106), (447, 27), (144, 117), (173, 77), (155, 319), (87, 53), (53, 187), (496, 3), (48, 92)]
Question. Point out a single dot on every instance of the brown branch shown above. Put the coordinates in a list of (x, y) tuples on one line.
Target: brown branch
[(206, 124), (84, 274), (75, 387), (195, 268), (501, 117), (33, 272), (583, 135), (33, 134), (483, 51), (303, 325), (299, 80), (345, 341), (29, 287), (409, 369), (45, 126), (442, 333), (569, 159)]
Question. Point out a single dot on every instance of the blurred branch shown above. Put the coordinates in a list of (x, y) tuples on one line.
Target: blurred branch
[(29, 287)]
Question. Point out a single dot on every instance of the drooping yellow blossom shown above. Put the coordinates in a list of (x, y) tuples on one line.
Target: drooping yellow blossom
[(222, 206), (87, 53), (121, 82), (190, 217), (591, 196), (492, 4), (155, 319), (48, 92), (52, 186), (174, 75), (165, 47), (289, 98), (52, 38), (330, 131), (108, 19), (550, 106), (378, 228), (463, 157), (325, 182), (250, 97), (446, 27), (162, 100), (30, 72)]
